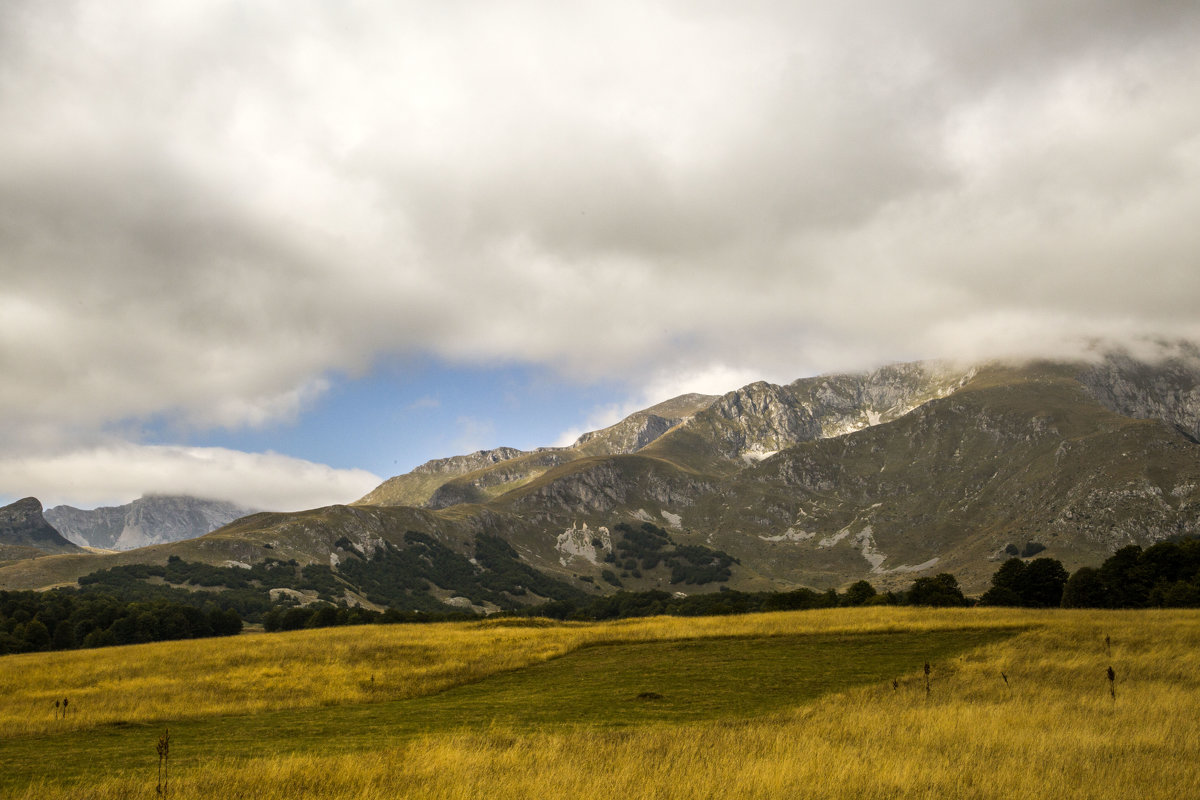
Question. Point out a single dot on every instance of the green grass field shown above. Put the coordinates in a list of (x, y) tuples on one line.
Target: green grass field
[(748, 706)]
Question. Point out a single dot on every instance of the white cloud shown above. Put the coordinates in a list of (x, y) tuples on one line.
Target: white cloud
[(119, 473)]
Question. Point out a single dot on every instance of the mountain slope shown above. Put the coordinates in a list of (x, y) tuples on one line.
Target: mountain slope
[(1012, 458)]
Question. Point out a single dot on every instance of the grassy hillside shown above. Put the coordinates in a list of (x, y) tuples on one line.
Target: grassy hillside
[(816, 704)]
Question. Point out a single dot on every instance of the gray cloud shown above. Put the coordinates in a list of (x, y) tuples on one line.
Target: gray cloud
[(205, 207)]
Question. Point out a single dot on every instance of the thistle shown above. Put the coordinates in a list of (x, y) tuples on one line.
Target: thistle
[(1006, 684), (164, 753), (926, 680), (1112, 684)]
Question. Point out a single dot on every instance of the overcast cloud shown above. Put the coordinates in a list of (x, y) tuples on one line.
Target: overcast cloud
[(205, 207)]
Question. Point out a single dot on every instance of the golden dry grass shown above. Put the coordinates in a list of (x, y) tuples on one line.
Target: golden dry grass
[(1055, 734), (339, 666)]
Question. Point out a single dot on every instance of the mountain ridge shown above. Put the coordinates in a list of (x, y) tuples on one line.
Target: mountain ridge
[(152, 519), (884, 475)]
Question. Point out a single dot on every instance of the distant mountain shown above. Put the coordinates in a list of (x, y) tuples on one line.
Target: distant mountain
[(154, 519), (885, 475), (24, 532)]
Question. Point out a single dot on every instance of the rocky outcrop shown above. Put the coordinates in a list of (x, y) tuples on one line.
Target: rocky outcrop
[(155, 519), (22, 525), (584, 543)]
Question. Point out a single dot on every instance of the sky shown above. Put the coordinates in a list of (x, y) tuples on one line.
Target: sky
[(275, 252)]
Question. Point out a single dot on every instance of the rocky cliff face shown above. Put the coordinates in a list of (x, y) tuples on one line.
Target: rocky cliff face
[(1167, 389), (148, 520), (759, 420), (23, 526)]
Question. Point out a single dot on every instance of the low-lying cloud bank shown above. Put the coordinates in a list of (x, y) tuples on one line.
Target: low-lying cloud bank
[(117, 474)]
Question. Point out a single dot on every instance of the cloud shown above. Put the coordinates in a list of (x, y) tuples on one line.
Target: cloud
[(119, 473), (473, 434), (427, 401), (205, 207)]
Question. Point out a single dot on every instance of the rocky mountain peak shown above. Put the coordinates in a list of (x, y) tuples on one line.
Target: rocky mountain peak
[(22, 525), (25, 511)]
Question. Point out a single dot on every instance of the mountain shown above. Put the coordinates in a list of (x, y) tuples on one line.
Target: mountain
[(148, 520), (24, 532), (886, 475)]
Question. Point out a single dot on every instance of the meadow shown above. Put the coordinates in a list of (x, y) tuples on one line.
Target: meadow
[(829, 704)]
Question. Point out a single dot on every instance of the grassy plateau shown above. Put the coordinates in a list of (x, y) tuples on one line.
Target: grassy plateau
[(826, 704)]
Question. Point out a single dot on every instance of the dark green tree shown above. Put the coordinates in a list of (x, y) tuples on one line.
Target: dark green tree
[(37, 635), (1042, 583), (1007, 585), (1124, 582), (1085, 589), (858, 593), (64, 636), (940, 590)]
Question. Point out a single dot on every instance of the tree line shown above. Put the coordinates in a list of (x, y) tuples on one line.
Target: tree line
[(1165, 575), (119, 607), (63, 620)]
